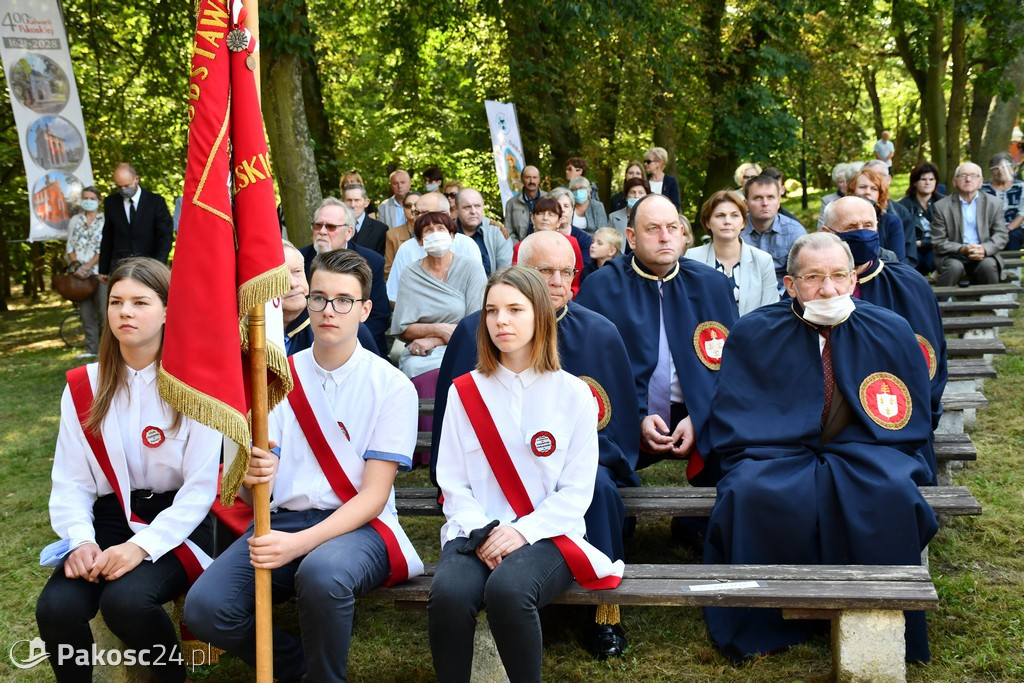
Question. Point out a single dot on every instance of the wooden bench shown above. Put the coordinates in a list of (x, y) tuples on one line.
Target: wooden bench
[(998, 292), (968, 374), (688, 501), (960, 411), (975, 326), (864, 603), (974, 348), (966, 306)]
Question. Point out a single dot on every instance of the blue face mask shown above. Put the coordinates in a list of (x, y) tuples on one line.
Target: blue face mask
[(863, 244), (631, 201), (90, 204), (580, 196)]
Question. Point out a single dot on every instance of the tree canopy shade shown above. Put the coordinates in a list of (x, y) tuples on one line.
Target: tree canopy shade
[(378, 86)]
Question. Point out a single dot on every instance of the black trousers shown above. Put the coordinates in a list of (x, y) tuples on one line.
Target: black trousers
[(526, 580), (132, 606)]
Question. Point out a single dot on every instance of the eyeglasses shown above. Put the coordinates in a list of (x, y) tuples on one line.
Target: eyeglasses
[(649, 161), (451, 195), (970, 176), (548, 272), (819, 278), (341, 304), (409, 206), (329, 227)]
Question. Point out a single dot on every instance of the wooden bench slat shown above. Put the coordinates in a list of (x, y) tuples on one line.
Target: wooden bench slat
[(790, 586), (963, 400), (691, 501), (975, 322), (970, 368), (954, 447), (950, 307), (973, 347), (976, 291)]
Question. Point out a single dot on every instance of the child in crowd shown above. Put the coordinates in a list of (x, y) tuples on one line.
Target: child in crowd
[(607, 245)]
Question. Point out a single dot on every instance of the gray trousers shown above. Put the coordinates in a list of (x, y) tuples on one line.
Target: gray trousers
[(221, 606), (951, 270)]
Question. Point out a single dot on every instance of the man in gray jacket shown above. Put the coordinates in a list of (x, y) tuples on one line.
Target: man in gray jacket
[(519, 209), (968, 231), (494, 243)]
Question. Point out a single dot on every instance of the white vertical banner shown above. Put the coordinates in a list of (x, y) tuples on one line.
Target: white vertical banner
[(47, 112), (508, 148)]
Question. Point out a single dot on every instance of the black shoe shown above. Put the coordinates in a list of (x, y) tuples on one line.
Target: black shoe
[(607, 640), (963, 283)]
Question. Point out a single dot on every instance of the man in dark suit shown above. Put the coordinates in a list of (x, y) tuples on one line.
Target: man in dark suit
[(369, 233), (332, 229), (136, 222), (968, 232)]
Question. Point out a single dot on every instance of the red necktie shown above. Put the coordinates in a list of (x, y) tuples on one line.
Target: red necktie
[(826, 366)]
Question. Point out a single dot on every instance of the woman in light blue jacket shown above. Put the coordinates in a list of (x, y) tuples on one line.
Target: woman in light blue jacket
[(750, 270)]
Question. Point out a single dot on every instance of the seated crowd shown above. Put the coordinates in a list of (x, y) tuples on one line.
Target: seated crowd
[(566, 351)]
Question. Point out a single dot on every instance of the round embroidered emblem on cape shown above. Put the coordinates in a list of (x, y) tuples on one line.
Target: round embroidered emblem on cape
[(604, 403), (708, 341), (542, 444), (886, 400), (344, 430), (929, 355), (152, 436)]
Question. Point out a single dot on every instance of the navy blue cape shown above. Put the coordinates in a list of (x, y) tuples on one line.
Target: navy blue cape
[(787, 498), (903, 290), (696, 294)]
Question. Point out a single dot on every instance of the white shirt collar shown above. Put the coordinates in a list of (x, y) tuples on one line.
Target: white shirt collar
[(506, 376), (338, 375), (146, 374)]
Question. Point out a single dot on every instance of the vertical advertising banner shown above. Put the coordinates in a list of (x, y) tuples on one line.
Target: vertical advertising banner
[(44, 97), (508, 149)]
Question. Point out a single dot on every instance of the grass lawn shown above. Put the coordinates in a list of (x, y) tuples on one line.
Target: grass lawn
[(977, 563)]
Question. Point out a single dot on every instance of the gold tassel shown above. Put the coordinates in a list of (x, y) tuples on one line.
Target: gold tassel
[(607, 615)]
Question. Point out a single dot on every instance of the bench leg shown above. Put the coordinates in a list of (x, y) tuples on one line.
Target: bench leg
[(487, 666), (869, 645), (951, 422)]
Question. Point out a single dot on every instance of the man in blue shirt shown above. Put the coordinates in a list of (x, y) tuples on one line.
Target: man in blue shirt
[(767, 229), (491, 238)]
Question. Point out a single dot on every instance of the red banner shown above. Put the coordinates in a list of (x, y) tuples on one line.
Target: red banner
[(228, 256)]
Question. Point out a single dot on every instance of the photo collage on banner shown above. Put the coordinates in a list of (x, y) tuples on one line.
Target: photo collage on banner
[(508, 148), (47, 112)]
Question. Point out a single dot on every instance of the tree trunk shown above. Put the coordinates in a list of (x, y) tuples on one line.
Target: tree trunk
[(981, 102), (934, 101), (876, 103), (958, 87), (1003, 112), (291, 153), (323, 142)]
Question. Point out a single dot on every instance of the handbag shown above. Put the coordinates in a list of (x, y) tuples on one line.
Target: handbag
[(75, 288)]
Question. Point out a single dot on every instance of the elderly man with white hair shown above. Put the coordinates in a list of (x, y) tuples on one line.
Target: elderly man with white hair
[(968, 232), (818, 419)]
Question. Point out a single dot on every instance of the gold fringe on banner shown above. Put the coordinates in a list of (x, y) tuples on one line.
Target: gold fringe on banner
[(233, 477), (263, 288)]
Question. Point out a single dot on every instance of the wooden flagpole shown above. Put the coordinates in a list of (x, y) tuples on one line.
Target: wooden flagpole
[(260, 437)]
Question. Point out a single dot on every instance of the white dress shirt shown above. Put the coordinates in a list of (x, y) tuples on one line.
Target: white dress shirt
[(186, 461), (560, 485), (379, 408)]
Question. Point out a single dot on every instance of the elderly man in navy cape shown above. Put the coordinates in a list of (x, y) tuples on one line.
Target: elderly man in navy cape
[(820, 412), (674, 315), (591, 349), (895, 286)]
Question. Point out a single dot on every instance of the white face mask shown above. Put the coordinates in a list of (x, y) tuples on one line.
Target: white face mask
[(437, 243), (828, 311), (433, 187)]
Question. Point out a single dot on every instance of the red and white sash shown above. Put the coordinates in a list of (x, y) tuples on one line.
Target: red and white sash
[(591, 568), (342, 466), (191, 556)]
